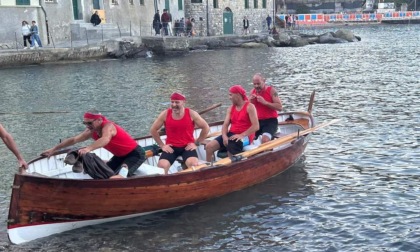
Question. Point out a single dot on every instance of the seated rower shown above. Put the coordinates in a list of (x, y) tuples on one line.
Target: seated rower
[(243, 121), (179, 122), (109, 135), (267, 103)]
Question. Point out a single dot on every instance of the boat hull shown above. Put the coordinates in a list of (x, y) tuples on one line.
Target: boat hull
[(41, 206)]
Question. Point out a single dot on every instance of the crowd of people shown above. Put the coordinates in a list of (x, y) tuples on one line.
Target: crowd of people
[(162, 24), (31, 35), (249, 117)]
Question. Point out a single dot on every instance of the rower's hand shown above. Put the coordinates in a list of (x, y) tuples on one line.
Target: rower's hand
[(225, 140), (190, 147), (83, 151), (48, 153), (236, 137), (167, 148), (261, 99), (23, 164)]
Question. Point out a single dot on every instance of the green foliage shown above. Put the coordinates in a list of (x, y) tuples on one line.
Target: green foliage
[(302, 9)]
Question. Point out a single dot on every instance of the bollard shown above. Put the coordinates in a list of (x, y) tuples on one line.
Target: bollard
[(87, 39), (17, 49), (119, 29)]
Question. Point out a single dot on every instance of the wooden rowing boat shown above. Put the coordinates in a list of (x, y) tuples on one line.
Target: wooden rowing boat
[(49, 198)]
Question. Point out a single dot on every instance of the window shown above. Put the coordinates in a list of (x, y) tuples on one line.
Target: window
[(180, 5), (131, 2), (196, 1), (114, 2), (215, 4), (246, 4), (23, 2), (141, 2), (255, 4), (264, 4)]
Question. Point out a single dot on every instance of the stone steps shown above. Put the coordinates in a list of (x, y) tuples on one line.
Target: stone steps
[(83, 31)]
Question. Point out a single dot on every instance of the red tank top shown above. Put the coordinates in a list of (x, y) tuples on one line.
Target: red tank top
[(239, 121), (121, 144), (263, 111), (179, 132)]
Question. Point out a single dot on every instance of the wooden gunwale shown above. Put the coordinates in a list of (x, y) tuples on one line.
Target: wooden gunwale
[(60, 200)]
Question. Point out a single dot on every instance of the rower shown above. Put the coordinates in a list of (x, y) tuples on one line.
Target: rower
[(179, 122), (243, 121)]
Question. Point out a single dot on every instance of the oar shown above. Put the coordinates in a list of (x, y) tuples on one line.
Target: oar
[(264, 147), (210, 108)]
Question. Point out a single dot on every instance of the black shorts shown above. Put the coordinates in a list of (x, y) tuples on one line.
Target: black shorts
[(133, 160), (267, 125), (233, 147), (178, 151)]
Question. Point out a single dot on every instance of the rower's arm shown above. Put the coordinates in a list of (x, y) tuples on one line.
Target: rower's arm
[(276, 104), (154, 130), (200, 123)]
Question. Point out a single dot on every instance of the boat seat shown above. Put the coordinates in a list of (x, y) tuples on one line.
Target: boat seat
[(303, 122), (148, 170)]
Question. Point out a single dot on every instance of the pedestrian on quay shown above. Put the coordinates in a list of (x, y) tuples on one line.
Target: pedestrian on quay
[(35, 35), (269, 20), (245, 22), (26, 33)]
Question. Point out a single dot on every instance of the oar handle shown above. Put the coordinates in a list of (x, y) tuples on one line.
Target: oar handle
[(210, 108), (267, 146)]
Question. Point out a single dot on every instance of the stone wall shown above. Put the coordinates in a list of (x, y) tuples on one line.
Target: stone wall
[(256, 16)]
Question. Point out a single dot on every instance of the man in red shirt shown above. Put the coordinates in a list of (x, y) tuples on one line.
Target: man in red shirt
[(165, 19), (110, 136), (179, 123), (243, 121), (267, 103)]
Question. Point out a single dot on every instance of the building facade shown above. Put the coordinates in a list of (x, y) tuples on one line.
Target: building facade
[(56, 19), (219, 17), (69, 20)]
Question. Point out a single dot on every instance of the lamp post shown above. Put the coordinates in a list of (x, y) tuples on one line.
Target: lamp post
[(207, 18), (274, 12)]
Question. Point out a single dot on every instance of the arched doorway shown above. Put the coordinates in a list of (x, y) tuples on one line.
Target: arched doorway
[(227, 21)]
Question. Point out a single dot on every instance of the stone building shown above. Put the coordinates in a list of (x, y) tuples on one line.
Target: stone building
[(69, 20), (65, 20), (218, 17)]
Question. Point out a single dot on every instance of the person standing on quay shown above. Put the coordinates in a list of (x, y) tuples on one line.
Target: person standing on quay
[(26, 33), (165, 19), (35, 35), (156, 23), (269, 20), (246, 26)]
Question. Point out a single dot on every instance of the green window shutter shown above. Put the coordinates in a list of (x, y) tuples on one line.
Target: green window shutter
[(180, 5), (23, 2), (264, 4), (215, 4)]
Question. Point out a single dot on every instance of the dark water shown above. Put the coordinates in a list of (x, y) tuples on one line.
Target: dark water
[(356, 189)]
